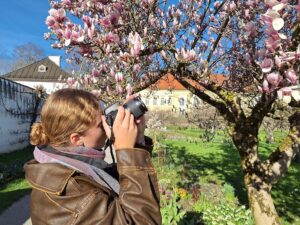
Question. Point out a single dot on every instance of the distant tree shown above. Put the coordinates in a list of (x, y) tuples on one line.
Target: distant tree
[(25, 54)]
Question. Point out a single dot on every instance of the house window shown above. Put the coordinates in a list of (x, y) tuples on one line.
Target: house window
[(162, 101), (169, 101), (154, 100), (42, 68), (181, 102), (147, 101)]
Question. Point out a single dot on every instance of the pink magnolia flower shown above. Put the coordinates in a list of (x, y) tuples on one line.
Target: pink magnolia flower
[(119, 76), (71, 81), (105, 22), (119, 89), (96, 93), (271, 3), (124, 57), (274, 79), (250, 29), (278, 62), (186, 55), (136, 68), (50, 21), (129, 89), (88, 21), (265, 87), (95, 73), (135, 43), (112, 38), (291, 76), (272, 44), (266, 65), (58, 14), (284, 94)]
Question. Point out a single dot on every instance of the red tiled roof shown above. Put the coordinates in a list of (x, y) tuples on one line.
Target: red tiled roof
[(168, 82)]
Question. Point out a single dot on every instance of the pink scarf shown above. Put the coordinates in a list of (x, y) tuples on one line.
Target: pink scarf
[(99, 175)]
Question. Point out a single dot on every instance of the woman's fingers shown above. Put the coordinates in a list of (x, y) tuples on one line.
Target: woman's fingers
[(125, 129), (120, 115), (126, 121)]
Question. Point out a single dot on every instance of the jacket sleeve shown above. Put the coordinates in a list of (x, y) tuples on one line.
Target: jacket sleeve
[(139, 194), (148, 146)]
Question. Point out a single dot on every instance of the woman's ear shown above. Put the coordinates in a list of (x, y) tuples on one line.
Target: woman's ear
[(76, 139)]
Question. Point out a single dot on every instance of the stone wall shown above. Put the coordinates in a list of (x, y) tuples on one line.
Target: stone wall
[(18, 107)]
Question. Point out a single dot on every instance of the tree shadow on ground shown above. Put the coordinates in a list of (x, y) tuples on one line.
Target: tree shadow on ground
[(192, 218), (225, 165)]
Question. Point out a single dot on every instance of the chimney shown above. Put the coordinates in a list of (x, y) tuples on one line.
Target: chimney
[(55, 59)]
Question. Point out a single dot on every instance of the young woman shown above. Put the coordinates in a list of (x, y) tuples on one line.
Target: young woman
[(72, 184)]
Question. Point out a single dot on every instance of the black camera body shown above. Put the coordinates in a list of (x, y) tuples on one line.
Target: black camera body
[(135, 106)]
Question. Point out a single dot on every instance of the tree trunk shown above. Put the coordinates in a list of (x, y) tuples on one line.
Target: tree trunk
[(260, 200), (262, 206), (297, 157)]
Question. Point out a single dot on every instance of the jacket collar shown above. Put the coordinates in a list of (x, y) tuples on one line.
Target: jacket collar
[(37, 176)]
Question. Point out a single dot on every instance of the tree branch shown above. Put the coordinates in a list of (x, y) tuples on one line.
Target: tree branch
[(220, 105), (280, 160)]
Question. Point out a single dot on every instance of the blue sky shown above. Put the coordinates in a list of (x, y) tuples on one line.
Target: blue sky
[(23, 21)]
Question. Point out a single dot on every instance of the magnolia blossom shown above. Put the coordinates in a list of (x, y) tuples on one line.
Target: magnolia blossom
[(284, 94), (109, 34), (267, 65), (96, 93), (119, 88), (119, 76), (71, 81), (135, 43), (129, 90), (185, 55), (274, 79), (291, 76), (95, 73), (76, 34), (250, 29)]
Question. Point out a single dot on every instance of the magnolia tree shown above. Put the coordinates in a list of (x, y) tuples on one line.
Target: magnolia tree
[(132, 44)]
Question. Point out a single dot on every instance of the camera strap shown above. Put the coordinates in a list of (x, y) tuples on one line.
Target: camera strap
[(111, 140)]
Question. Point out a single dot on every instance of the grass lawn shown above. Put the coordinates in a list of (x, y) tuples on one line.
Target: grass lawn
[(218, 162), (12, 192), (13, 185)]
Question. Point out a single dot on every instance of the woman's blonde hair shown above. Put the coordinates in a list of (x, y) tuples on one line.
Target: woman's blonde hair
[(66, 111)]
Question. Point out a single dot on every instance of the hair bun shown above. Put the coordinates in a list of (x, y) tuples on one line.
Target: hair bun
[(37, 135)]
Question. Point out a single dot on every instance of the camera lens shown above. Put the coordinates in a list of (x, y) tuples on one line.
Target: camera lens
[(136, 107)]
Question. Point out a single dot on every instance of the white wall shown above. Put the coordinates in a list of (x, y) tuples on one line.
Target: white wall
[(17, 109)]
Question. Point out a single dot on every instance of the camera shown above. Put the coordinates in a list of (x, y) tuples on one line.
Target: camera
[(135, 106)]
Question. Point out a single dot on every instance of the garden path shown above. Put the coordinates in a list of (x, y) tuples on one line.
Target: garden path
[(17, 213)]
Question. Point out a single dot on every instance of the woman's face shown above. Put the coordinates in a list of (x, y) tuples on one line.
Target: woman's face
[(95, 136)]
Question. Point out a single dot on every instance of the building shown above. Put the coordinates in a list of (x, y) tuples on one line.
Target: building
[(167, 94), (46, 73)]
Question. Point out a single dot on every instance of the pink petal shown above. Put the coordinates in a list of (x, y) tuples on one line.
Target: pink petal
[(266, 65), (291, 76)]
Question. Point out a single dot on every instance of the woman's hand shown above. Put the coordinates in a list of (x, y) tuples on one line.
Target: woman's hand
[(125, 129)]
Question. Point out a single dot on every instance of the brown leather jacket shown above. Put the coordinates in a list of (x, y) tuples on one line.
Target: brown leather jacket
[(62, 196)]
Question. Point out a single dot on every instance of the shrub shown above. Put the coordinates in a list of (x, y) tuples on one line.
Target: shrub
[(227, 214)]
